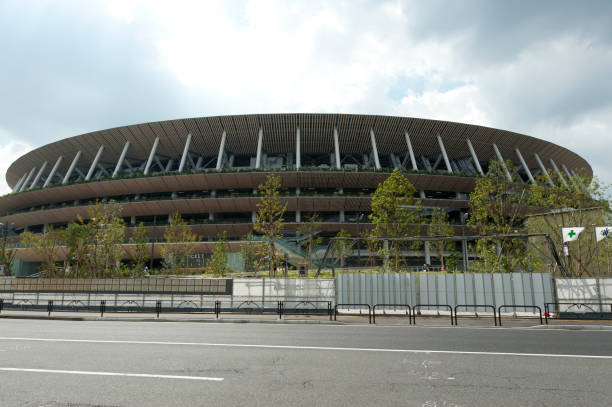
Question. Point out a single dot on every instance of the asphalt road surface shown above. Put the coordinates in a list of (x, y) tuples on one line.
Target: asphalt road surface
[(111, 363)]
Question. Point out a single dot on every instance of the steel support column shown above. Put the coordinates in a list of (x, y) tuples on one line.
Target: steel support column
[(503, 163), (20, 182), (71, 168), (185, 153), (411, 152), (298, 149), (474, 157), (38, 175), (444, 155), (147, 167), (221, 151), (559, 173), (337, 149), (27, 180), (544, 170), (94, 163), (259, 146), (121, 159), (374, 149), (53, 171), (524, 164)]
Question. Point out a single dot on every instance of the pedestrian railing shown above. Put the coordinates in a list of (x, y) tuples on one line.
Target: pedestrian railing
[(592, 309), (360, 307), (485, 306), (515, 307), (407, 307), (418, 307)]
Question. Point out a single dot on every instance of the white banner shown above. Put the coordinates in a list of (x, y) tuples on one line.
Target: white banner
[(601, 232), (571, 234)]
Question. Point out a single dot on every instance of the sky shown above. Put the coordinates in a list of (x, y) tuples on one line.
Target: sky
[(539, 68)]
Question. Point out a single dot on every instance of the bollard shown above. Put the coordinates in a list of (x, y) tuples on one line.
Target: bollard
[(102, 308), (329, 309), (158, 308), (217, 308), (49, 307), (1, 304)]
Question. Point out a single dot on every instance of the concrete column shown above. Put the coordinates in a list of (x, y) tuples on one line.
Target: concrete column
[(559, 173), (337, 149), (147, 167), (121, 159), (374, 149), (341, 216), (544, 170), (474, 157), (411, 152), (53, 171), (503, 163), (132, 220), (27, 180), (569, 176), (169, 165), (253, 217), (221, 151), (18, 184), (185, 153), (298, 216), (38, 175), (211, 217), (298, 149), (72, 166), (94, 163), (444, 155), (259, 146), (524, 164)]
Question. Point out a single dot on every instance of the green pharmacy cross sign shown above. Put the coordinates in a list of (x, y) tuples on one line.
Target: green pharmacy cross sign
[(571, 233)]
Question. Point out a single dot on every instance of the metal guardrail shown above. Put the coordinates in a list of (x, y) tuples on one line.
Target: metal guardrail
[(476, 306), (514, 307), (408, 311), (362, 306), (437, 306), (578, 304)]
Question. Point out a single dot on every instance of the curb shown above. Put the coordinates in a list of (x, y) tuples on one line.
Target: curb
[(576, 327), (200, 320)]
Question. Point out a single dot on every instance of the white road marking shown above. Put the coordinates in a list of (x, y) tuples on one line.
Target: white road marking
[(294, 347), (80, 372)]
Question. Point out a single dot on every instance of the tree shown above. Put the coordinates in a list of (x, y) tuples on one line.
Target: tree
[(395, 210), (310, 229), (217, 263), (7, 255), (498, 206), (342, 248), (582, 202), (179, 242), (141, 251), (269, 217), (46, 245), (108, 229), (439, 225), (78, 238), (253, 253)]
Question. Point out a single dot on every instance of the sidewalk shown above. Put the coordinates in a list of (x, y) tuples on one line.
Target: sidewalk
[(394, 321)]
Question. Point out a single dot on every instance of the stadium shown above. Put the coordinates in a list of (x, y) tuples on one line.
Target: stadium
[(208, 170)]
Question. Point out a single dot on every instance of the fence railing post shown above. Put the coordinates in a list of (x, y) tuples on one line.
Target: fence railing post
[(102, 308), (1, 304), (158, 307), (49, 307), (217, 308)]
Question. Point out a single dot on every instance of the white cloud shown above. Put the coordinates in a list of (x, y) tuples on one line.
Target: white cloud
[(9, 150)]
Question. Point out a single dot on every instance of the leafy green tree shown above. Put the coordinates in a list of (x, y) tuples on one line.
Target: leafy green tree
[(217, 263), (253, 253), (7, 255), (439, 225), (269, 217), (141, 251), (310, 230), (179, 242), (78, 238), (498, 207), (582, 202), (108, 229), (342, 248), (395, 211), (46, 245)]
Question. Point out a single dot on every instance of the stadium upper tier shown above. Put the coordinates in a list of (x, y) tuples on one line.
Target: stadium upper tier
[(223, 157)]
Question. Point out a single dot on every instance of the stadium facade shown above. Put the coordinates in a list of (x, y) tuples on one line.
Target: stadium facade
[(208, 169)]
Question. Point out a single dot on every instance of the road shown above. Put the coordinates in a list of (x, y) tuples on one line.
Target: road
[(113, 363)]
